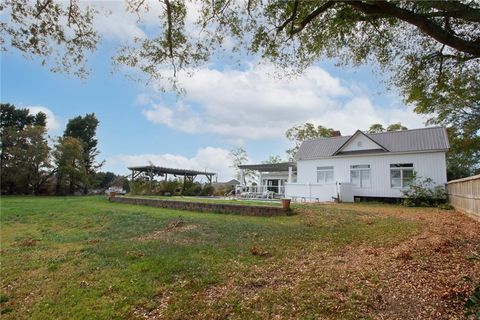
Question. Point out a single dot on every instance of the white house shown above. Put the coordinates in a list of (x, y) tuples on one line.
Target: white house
[(362, 165)]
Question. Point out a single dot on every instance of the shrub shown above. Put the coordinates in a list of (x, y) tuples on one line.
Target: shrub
[(207, 190), (422, 193), (472, 305)]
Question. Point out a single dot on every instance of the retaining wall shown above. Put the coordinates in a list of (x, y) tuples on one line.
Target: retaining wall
[(247, 210)]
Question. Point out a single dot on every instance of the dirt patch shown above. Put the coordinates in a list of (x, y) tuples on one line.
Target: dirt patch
[(154, 309), (28, 242), (175, 226)]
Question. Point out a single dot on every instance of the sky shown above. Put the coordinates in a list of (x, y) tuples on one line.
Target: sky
[(225, 106)]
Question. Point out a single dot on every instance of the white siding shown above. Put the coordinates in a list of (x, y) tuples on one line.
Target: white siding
[(431, 165)]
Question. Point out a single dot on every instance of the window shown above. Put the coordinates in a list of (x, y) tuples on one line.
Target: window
[(325, 175), (360, 176), (401, 174)]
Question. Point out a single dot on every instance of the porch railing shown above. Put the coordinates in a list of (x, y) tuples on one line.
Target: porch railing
[(260, 189)]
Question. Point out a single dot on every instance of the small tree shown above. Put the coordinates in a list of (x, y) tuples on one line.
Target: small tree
[(396, 127)]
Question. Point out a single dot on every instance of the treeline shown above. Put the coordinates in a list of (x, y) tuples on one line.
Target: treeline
[(66, 165)]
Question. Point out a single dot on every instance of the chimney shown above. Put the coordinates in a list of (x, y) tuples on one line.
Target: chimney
[(336, 133)]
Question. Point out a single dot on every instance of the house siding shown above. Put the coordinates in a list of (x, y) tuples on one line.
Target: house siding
[(431, 165)]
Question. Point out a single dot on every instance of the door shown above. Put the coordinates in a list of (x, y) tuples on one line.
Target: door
[(272, 185)]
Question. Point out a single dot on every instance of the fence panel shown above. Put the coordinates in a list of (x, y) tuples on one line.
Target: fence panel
[(464, 194)]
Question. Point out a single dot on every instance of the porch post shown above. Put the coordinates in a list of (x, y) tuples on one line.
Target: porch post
[(290, 174), (242, 178), (260, 184)]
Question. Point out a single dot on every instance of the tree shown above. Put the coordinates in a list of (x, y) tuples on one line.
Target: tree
[(396, 127), (273, 159), (239, 156), (464, 154), (84, 129), (308, 131), (70, 165), (24, 150), (376, 128)]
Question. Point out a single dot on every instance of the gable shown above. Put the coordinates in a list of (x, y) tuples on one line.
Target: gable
[(359, 143)]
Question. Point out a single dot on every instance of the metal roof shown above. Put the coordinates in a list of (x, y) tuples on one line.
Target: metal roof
[(424, 139), (162, 170), (269, 167)]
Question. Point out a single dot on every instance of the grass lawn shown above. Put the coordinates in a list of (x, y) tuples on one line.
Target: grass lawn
[(87, 258), (251, 202)]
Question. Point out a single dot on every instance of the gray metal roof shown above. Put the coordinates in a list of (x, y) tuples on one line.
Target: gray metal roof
[(270, 167), (175, 171), (425, 139)]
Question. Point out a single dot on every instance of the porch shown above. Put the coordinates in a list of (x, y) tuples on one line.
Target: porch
[(269, 182)]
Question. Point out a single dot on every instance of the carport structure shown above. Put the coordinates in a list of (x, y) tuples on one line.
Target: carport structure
[(152, 171)]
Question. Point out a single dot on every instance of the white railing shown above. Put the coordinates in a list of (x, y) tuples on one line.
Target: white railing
[(260, 189), (310, 192)]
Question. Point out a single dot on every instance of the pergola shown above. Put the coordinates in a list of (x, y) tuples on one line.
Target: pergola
[(151, 171)]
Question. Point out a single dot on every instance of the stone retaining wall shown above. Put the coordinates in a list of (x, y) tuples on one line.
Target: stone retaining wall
[(246, 210)]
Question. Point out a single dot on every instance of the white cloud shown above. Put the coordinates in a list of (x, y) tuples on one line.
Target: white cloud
[(209, 159), (252, 104), (52, 121)]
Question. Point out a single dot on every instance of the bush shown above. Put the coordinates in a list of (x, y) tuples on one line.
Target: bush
[(472, 305), (422, 193)]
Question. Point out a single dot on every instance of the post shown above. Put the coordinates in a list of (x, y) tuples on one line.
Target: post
[(260, 182), (242, 178), (290, 174)]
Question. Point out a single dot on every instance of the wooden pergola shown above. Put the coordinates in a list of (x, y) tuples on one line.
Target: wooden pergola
[(151, 171)]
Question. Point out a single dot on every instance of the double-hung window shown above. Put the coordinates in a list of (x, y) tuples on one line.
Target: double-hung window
[(325, 175), (360, 176), (401, 174)]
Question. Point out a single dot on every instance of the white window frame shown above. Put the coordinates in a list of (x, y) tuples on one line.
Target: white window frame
[(326, 169), (359, 168), (401, 167)]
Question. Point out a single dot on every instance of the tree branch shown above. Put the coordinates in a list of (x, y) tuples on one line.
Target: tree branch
[(290, 19), (312, 15), (169, 35), (421, 22)]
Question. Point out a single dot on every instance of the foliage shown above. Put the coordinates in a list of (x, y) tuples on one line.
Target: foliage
[(25, 154), (71, 171), (472, 305), (464, 154), (422, 192), (377, 128), (103, 180), (57, 33), (308, 131), (139, 187), (396, 127), (273, 159), (84, 129)]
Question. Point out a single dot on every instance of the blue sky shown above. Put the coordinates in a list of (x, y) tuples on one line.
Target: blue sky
[(225, 106)]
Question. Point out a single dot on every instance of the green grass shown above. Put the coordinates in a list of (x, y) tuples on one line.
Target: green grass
[(86, 258), (253, 202)]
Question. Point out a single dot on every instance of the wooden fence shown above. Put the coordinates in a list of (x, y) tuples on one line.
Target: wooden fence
[(464, 195)]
